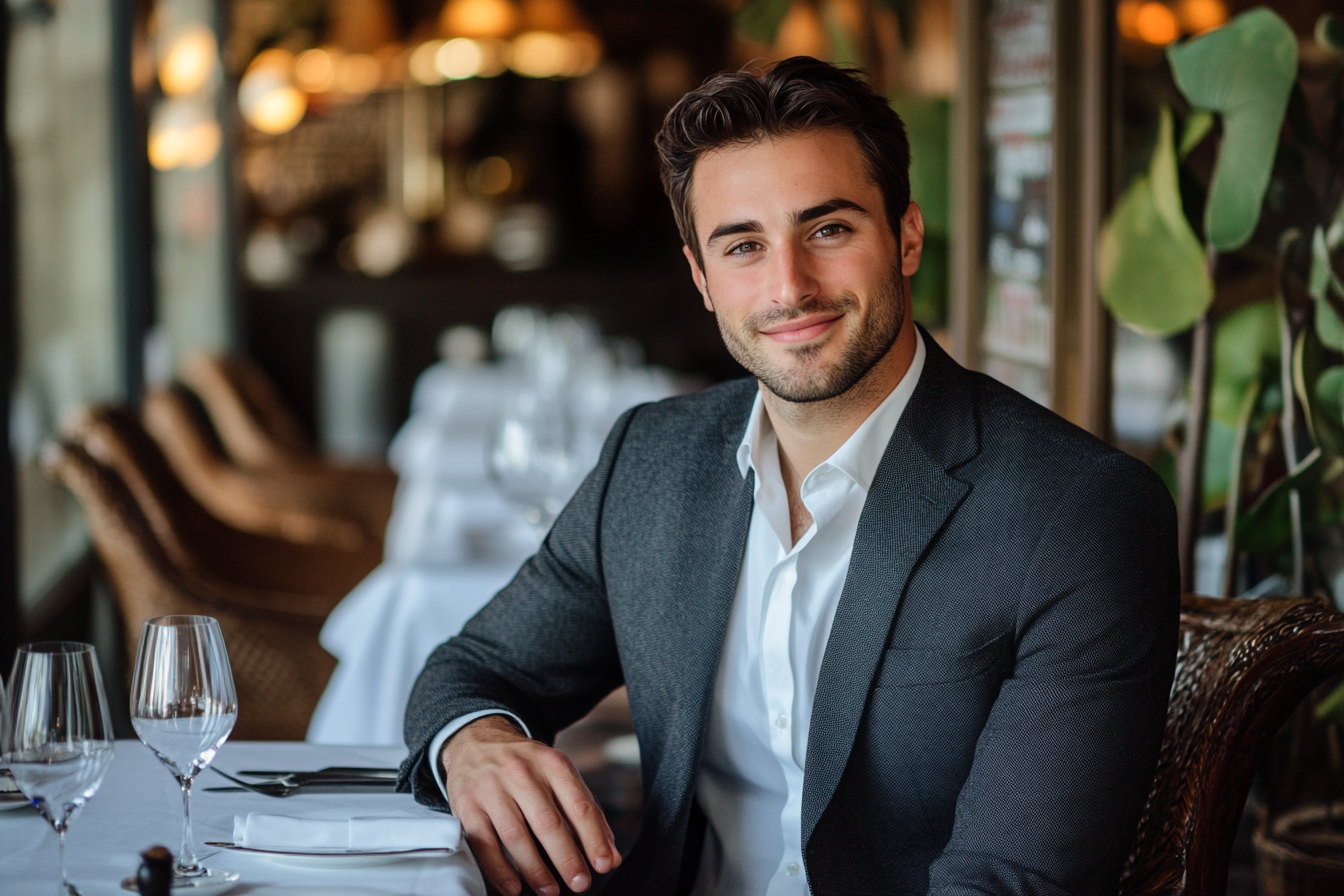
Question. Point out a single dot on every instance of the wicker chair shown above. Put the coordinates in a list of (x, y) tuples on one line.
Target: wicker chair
[(1243, 667), (279, 668), (256, 428), (259, 433), (198, 543), (300, 505)]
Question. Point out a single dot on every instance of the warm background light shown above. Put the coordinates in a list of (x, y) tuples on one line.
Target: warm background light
[(478, 18), (183, 134), (315, 70), (1126, 18), (493, 175), (1156, 24), (420, 64), (541, 54), (459, 58), (358, 73), (1201, 15), (587, 53), (267, 98), (188, 61)]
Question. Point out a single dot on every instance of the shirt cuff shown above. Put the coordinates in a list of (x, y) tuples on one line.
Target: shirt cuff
[(456, 725)]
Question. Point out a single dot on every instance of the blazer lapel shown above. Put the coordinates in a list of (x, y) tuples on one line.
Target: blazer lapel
[(694, 622), (912, 495)]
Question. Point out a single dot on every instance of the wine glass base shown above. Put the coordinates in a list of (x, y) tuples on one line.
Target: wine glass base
[(212, 882)]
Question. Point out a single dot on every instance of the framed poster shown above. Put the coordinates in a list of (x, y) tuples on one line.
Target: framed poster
[(1031, 160)]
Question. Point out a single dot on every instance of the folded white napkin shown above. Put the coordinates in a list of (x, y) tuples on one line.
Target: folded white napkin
[(366, 833)]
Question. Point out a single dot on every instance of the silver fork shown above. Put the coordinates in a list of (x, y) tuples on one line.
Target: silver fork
[(268, 788)]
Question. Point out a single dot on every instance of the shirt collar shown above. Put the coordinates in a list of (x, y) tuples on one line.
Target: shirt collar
[(859, 457)]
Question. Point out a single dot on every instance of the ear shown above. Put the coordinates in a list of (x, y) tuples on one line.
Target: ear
[(912, 239), (699, 276)]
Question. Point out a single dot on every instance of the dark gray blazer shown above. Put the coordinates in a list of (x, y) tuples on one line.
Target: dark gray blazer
[(993, 693)]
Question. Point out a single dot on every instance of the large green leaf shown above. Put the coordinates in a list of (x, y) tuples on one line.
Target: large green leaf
[(1245, 342), (1321, 394), (1220, 447), (1150, 265), (1322, 282), (1330, 32), (1267, 526), (1329, 405), (1244, 72)]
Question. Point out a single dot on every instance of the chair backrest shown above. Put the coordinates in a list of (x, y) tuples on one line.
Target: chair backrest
[(236, 496), (279, 668), (1243, 666), (255, 427), (193, 539)]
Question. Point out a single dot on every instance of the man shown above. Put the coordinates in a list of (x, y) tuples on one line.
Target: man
[(887, 626)]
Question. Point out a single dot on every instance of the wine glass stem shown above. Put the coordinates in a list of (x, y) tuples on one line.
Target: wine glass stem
[(65, 882), (186, 857)]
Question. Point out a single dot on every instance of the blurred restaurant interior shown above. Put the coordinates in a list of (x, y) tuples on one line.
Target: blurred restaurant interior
[(327, 305)]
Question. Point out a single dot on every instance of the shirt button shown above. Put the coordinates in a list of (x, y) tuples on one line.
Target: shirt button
[(793, 868), (782, 721)]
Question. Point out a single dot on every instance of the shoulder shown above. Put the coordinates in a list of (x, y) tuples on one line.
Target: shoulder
[(1017, 433), (715, 414)]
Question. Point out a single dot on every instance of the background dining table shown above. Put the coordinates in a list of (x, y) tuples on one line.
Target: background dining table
[(139, 806), (453, 541)]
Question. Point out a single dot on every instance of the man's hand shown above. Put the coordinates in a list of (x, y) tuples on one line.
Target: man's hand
[(504, 786)]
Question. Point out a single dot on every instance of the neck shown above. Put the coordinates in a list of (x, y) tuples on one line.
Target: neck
[(809, 432)]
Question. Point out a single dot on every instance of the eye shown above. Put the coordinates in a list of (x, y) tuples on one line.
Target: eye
[(831, 230), (745, 247)]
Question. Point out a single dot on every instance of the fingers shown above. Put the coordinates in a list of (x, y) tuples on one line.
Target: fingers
[(586, 819), (517, 839), (549, 825), (508, 790), (490, 858)]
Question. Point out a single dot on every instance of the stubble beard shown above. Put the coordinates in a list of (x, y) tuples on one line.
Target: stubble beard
[(804, 380)]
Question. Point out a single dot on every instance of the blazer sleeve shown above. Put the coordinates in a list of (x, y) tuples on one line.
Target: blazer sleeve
[(543, 648), (1064, 765)]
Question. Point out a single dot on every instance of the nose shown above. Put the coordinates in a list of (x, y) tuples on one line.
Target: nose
[(796, 283)]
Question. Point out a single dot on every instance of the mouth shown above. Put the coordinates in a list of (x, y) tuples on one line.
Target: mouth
[(801, 329)]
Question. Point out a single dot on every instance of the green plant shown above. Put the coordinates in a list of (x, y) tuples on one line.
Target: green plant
[(1248, 194)]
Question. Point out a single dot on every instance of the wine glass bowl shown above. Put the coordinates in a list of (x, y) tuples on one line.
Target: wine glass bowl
[(183, 707), (531, 457), (56, 735)]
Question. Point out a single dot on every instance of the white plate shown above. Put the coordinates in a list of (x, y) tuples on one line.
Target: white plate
[(335, 857), (12, 799)]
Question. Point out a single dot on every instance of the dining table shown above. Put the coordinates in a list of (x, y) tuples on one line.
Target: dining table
[(139, 805), (453, 541)]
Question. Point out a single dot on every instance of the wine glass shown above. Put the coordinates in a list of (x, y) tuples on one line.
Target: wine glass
[(531, 455), (183, 707), (58, 733)]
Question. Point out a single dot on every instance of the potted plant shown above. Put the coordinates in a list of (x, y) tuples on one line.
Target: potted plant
[(1236, 232)]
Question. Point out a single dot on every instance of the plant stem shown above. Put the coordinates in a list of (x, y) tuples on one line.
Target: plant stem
[(1288, 421), (187, 865), (1233, 507), (1190, 504)]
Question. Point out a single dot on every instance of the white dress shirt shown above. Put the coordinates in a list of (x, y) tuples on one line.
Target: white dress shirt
[(750, 780)]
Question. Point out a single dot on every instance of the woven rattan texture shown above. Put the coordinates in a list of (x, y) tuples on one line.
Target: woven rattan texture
[(279, 668), (1243, 666)]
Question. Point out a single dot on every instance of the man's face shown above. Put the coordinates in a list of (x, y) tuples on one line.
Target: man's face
[(801, 269)]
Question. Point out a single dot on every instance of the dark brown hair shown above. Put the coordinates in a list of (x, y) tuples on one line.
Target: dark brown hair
[(796, 95)]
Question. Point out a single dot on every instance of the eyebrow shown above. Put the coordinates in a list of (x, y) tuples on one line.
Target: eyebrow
[(799, 217)]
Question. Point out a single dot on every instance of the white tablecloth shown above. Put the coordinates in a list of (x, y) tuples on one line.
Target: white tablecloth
[(382, 632), (139, 805), (451, 544)]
